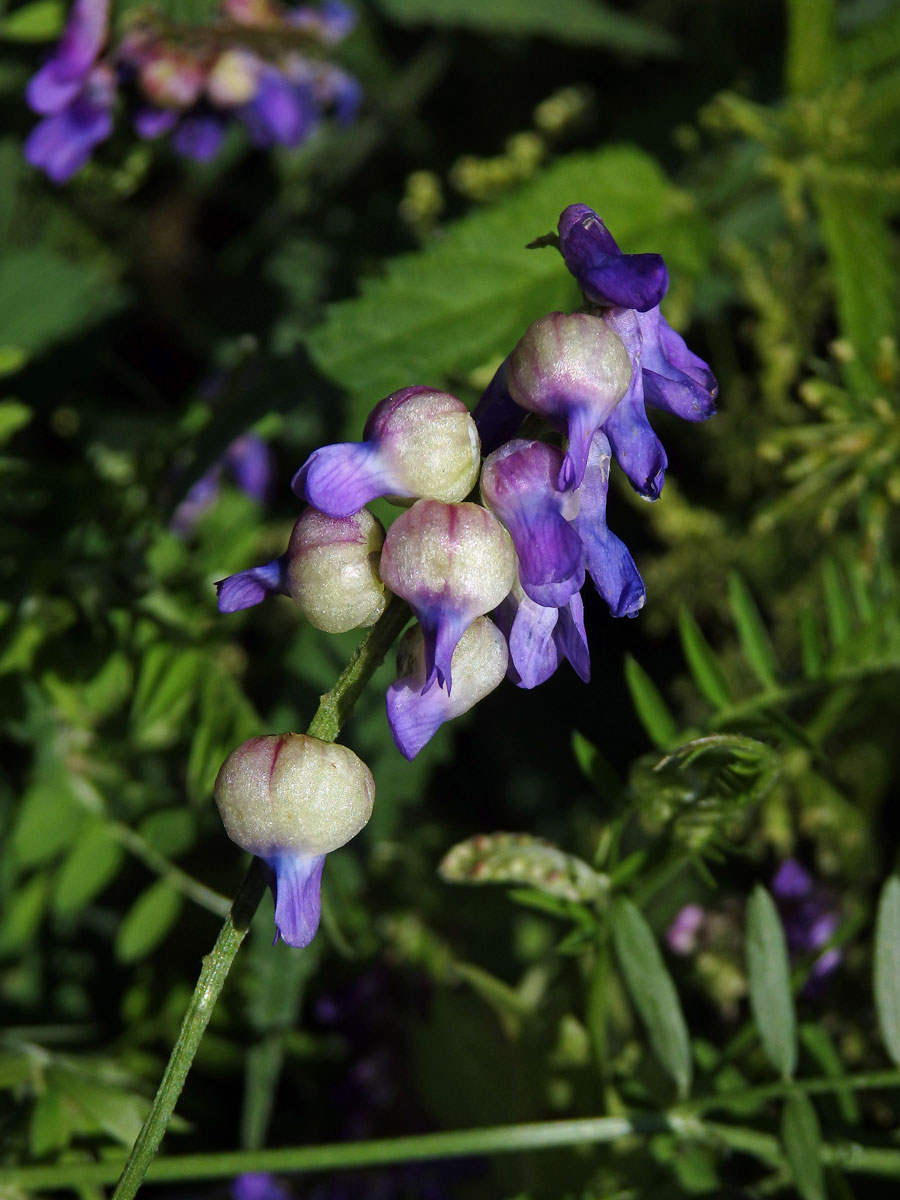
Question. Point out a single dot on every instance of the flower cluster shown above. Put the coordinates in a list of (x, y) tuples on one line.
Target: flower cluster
[(523, 552), (259, 63)]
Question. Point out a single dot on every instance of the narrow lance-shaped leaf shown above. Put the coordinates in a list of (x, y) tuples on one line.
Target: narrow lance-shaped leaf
[(838, 610), (652, 710), (754, 637), (802, 1141), (652, 990), (887, 967), (705, 667), (769, 977)]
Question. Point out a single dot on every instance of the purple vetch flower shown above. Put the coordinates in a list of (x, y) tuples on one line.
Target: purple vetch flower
[(248, 588), (151, 122), (62, 77), (572, 369), (675, 379), (329, 23), (280, 113), (258, 1185), (248, 459), (416, 712), (606, 276), (518, 483), (607, 558), (810, 915), (637, 449), (540, 638), (291, 799), (199, 136), (417, 442), (451, 563), (62, 143), (683, 935), (497, 417), (332, 570)]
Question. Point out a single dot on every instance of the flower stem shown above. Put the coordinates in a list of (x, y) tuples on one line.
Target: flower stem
[(334, 709)]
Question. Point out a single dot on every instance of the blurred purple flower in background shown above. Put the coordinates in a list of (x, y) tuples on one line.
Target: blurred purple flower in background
[(810, 915), (188, 82), (248, 460), (258, 1185)]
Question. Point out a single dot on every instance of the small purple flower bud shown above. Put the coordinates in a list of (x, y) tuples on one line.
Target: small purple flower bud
[(497, 417), (279, 113), (291, 799), (332, 570), (638, 450), (171, 77), (606, 276), (248, 588), (540, 638), (479, 665), (675, 379), (234, 78), (518, 483), (607, 559), (573, 370), (451, 563), (151, 123), (418, 442)]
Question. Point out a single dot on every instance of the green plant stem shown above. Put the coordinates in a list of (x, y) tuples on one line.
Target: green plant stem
[(498, 1139), (334, 708)]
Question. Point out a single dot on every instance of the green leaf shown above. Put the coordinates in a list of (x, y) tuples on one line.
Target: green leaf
[(817, 1042), (652, 990), (802, 1141), (769, 978), (13, 416), (41, 21), (166, 688), (652, 710), (811, 645), (863, 259), (838, 609), (114, 1111), (147, 921), (44, 297), (810, 45), (705, 667), (521, 859), (752, 632), (23, 912), (48, 821), (49, 1130), (581, 22), (93, 861), (887, 967), (463, 302)]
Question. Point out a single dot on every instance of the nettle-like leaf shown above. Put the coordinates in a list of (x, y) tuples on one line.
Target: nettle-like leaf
[(519, 858), (464, 301)]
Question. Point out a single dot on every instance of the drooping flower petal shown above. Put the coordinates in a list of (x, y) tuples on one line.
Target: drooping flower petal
[(151, 122), (341, 478), (247, 588), (607, 558), (573, 370), (541, 637), (637, 449), (518, 482), (297, 888), (605, 275), (416, 712), (675, 379), (451, 563)]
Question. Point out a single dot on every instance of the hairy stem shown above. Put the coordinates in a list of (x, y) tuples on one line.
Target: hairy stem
[(334, 708)]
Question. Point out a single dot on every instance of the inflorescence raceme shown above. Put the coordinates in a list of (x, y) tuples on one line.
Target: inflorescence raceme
[(260, 63), (523, 552)]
